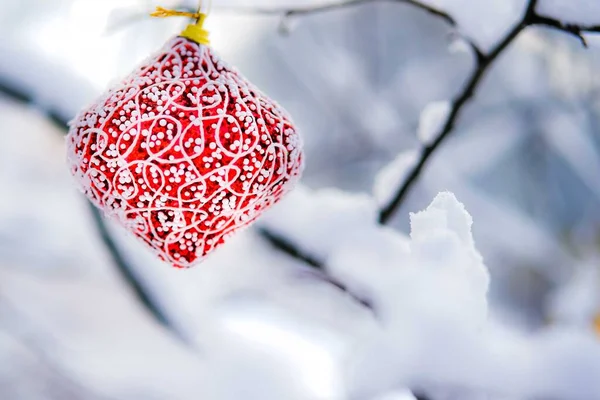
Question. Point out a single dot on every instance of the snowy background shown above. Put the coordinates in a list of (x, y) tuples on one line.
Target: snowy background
[(488, 290)]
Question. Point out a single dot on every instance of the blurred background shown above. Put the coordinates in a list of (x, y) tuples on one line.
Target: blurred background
[(525, 160)]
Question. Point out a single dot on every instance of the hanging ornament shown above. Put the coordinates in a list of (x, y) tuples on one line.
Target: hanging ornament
[(185, 151)]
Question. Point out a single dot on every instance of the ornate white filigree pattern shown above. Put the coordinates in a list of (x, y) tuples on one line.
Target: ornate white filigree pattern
[(184, 152)]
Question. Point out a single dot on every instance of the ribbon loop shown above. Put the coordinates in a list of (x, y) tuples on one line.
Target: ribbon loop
[(195, 32)]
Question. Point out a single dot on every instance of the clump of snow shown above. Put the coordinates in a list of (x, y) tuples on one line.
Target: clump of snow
[(392, 175), (440, 258), (432, 120), (584, 12), (446, 225), (419, 287), (272, 352)]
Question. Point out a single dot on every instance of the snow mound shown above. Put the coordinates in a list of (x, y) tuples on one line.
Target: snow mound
[(400, 275)]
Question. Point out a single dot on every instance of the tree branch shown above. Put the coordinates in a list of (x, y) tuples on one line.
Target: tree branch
[(283, 245), (484, 62), (287, 12)]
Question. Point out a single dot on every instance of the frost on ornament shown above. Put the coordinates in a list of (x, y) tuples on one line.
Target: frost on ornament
[(184, 152)]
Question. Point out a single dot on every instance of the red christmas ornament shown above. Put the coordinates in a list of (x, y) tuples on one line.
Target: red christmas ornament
[(185, 151)]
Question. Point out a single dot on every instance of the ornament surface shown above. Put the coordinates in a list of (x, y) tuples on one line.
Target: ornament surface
[(184, 152)]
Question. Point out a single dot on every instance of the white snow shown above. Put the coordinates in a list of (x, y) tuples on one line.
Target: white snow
[(432, 120)]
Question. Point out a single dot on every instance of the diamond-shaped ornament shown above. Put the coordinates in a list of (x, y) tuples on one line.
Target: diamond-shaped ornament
[(185, 151)]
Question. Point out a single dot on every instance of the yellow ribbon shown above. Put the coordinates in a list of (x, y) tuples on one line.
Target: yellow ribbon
[(195, 32)]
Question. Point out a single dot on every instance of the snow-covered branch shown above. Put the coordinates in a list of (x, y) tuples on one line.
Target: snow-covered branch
[(484, 62)]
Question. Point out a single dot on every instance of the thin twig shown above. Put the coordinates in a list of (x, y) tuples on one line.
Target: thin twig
[(332, 6), (285, 246)]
